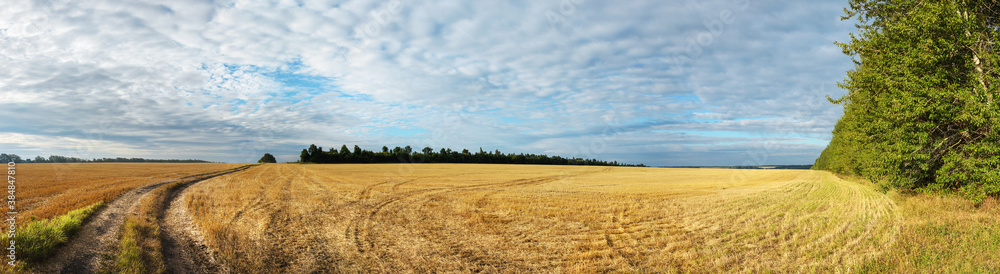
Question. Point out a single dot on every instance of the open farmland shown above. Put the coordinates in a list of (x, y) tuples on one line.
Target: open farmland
[(48, 190), (446, 217)]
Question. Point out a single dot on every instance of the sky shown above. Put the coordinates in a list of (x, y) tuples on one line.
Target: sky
[(663, 83)]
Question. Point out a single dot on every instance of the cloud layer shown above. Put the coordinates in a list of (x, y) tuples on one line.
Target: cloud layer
[(678, 83)]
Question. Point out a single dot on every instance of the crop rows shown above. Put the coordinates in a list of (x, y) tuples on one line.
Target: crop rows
[(440, 217)]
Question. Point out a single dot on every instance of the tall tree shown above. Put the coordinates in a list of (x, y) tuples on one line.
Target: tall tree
[(920, 110)]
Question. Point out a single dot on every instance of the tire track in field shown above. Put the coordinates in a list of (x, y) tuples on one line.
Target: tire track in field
[(366, 191), (360, 227), (355, 225), (278, 218), (459, 246), (312, 176), (91, 247), (277, 206), (622, 236), (365, 220), (184, 248), (290, 223), (812, 215), (258, 201)]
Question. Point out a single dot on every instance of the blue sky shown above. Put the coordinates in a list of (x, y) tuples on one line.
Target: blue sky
[(664, 83)]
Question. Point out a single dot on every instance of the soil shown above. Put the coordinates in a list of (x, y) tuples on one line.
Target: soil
[(184, 247)]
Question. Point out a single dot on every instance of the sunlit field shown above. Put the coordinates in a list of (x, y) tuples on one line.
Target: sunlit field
[(48, 190), (467, 217)]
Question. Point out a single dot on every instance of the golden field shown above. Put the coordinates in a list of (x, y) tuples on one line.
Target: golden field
[(46, 190), (522, 218)]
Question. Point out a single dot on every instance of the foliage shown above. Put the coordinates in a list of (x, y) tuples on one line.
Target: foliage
[(268, 158), (131, 258), (7, 158), (920, 111), (315, 154)]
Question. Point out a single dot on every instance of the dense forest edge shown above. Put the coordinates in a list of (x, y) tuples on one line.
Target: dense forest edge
[(6, 158), (315, 154), (920, 113)]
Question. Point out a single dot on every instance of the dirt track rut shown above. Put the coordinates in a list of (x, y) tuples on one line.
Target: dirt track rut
[(96, 240), (92, 249), (184, 248)]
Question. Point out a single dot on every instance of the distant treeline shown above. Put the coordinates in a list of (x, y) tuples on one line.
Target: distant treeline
[(6, 158), (315, 154)]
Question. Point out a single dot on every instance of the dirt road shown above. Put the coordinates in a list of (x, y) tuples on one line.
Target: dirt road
[(94, 243), (92, 249)]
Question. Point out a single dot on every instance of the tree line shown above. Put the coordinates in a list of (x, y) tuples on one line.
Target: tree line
[(6, 158), (315, 154), (922, 110)]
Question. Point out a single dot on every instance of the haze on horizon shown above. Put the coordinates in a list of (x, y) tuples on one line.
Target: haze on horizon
[(661, 83)]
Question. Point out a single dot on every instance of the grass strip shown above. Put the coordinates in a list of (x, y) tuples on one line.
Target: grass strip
[(39, 239), (140, 249)]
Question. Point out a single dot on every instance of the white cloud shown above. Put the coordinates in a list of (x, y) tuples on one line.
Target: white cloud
[(206, 75)]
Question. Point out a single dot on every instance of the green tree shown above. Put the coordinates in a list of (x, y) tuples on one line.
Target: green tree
[(304, 156), (268, 158), (7, 158), (920, 110)]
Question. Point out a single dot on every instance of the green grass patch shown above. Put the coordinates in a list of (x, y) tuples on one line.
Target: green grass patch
[(943, 233), (38, 239), (139, 246)]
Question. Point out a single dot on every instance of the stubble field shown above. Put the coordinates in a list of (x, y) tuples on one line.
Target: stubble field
[(460, 217), (48, 190)]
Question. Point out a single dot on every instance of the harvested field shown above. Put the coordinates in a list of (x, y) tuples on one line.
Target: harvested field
[(462, 217), (47, 190)]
